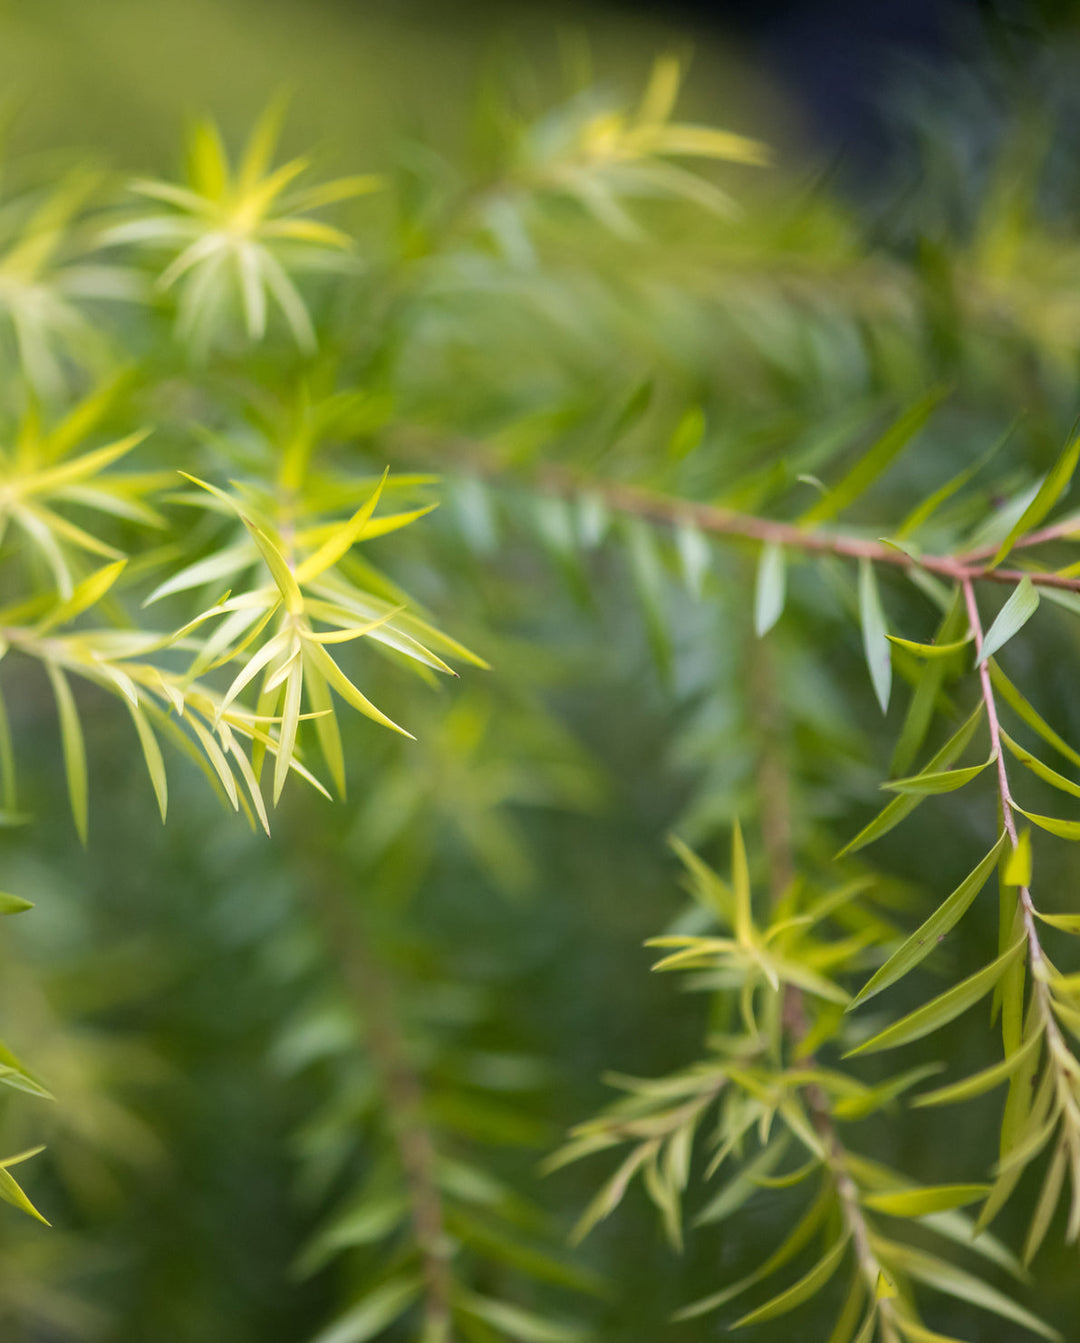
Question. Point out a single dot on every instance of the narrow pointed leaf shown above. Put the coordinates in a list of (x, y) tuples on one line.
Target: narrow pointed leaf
[(927, 936), (928, 688), (373, 1313), (740, 884), (981, 1082), (771, 588), (942, 1009), (1050, 491), (875, 641), (930, 650), (902, 806), (945, 1277), (342, 540), (873, 462), (1047, 1204), (10, 1189), (1012, 617), (922, 1202), (1041, 771), (1068, 923), (521, 1325), (71, 737), (85, 594), (290, 718), (808, 1286), (338, 681), (1056, 826), (1030, 715), (799, 1237), (155, 765), (280, 572), (940, 781)]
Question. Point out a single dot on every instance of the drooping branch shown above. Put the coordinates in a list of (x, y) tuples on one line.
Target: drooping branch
[(1060, 1058)]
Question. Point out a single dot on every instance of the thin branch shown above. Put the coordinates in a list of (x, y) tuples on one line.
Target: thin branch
[(1057, 1047), (727, 522), (370, 989)]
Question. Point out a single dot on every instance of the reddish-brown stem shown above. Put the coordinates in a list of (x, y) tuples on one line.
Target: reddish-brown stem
[(642, 503), (1032, 932), (727, 522)]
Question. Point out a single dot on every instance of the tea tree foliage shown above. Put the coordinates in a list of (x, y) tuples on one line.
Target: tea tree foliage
[(605, 343)]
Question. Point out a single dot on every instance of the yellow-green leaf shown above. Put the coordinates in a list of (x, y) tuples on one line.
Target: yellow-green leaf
[(979, 1083), (942, 1009), (927, 936), (1030, 715), (1017, 867), (1013, 616), (1068, 923), (939, 781), (71, 738), (902, 806), (1056, 826), (155, 765), (808, 1286), (930, 650), (1052, 488), (921, 1202), (1041, 771), (740, 884), (10, 1189), (342, 540)]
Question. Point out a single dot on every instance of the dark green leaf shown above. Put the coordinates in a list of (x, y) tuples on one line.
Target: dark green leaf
[(876, 460)]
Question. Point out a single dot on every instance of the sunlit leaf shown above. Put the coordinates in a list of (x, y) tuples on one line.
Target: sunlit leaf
[(921, 1202), (927, 936), (942, 1009), (770, 591), (1013, 616), (902, 806), (807, 1287)]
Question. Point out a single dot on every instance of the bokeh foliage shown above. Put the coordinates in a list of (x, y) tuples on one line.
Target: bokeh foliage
[(667, 388)]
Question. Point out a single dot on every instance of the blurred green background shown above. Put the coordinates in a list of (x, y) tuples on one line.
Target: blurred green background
[(169, 982)]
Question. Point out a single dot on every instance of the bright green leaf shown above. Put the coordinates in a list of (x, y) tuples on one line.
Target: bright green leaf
[(942, 1009), (771, 587), (1013, 616)]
